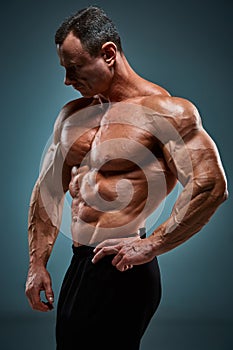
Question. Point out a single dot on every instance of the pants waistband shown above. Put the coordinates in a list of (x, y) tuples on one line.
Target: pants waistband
[(85, 250)]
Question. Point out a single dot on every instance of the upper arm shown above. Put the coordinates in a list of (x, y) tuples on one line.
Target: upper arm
[(55, 173), (191, 154)]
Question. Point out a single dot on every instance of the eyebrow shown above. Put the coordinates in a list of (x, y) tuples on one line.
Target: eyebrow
[(71, 64)]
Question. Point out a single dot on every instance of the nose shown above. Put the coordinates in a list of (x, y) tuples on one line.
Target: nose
[(70, 77), (68, 81)]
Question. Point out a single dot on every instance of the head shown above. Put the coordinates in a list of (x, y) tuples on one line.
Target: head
[(87, 44), (92, 26)]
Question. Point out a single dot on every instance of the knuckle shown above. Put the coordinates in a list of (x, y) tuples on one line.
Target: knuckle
[(105, 243), (35, 307), (28, 290)]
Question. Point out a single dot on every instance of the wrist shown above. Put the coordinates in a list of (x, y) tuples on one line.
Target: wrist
[(36, 260)]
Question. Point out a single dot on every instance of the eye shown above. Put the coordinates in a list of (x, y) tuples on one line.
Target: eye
[(74, 68)]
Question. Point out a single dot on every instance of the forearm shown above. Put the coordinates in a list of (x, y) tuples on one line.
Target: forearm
[(43, 226), (194, 208)]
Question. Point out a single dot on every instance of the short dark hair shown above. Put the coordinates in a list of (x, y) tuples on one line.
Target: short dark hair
[(92, 26)]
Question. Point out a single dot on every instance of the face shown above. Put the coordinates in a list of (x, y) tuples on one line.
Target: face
[(87, 74)]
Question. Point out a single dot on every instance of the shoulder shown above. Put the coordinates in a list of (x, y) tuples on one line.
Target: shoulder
[(66, 111), (180, 112)]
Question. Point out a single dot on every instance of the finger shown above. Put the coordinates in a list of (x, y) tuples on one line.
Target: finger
[(83, 169), (79, 170), (33, 295), (123, 264), (49, 296), (127, 267), (107, 243), (35, 301), (50, 306), (121, 268), (103, 252), (49, 293), (117, 259), (42, 306)]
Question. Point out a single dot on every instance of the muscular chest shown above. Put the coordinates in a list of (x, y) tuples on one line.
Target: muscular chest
[(112, 141)]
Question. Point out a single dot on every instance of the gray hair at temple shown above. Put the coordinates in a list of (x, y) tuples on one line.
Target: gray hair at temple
[(92, 26)]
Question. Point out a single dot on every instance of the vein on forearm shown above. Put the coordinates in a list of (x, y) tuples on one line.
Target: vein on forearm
[(43, 225), (193, 209)]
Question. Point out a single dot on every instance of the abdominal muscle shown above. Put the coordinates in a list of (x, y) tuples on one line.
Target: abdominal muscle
[(113, 204)]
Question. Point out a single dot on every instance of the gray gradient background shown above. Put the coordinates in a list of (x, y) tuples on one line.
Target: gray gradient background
[(185, 46)]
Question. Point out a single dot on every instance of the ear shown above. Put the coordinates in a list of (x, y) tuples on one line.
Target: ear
[(108, 52)]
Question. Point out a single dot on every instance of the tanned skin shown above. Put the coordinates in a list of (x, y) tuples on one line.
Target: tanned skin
[(79, 148)]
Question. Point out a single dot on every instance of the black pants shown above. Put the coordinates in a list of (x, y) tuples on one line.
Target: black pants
[(100, 307)]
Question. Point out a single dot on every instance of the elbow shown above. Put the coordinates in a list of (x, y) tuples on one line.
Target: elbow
[(215, 187), (224, 191), (220, 191)]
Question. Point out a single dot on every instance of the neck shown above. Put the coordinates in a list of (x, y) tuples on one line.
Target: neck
[(126, 83)]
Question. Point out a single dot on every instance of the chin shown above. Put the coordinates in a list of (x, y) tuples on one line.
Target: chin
[(84, 93)]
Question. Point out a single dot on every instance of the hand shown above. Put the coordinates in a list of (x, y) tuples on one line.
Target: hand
[(39, 280), (128, 252)]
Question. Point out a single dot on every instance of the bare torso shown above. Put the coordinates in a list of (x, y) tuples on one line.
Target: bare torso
[(119, 160), (118, 174)]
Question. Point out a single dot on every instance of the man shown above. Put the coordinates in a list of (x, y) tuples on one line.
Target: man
[(119, 151)]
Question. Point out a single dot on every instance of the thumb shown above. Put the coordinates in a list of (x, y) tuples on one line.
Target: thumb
[(49, 292)]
